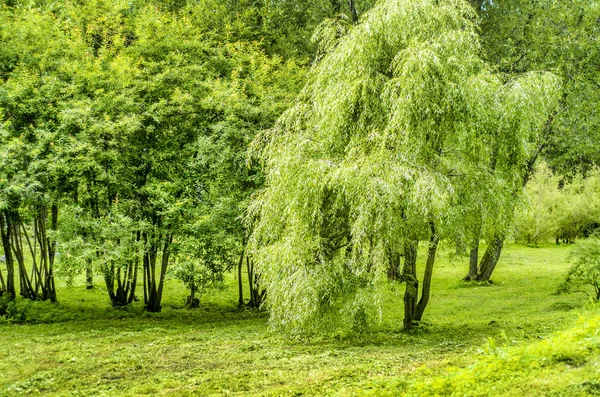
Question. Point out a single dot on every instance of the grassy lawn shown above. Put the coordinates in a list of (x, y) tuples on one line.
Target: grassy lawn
[(82, 347)]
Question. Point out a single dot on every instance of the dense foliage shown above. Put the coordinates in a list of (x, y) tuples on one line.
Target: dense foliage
[(557, 209), (586, 268), (399, 120), (312, 146)]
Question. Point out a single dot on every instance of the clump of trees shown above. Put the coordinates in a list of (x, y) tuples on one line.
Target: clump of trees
[(123, 134), (125, 128)]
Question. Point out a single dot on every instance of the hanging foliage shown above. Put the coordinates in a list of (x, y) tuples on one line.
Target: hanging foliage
[(400, 120)]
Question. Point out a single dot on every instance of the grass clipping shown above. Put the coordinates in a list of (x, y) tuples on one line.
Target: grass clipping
[(566, 363)]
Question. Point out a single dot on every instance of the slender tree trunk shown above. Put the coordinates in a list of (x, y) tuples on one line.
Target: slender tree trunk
[(52, 252), (425, 291), (240, 285), (146, 276), (8, 256), (409, 274), (136, 263), (2, 284), (26, 287), (192, 301), (250, 270), (89, 274), (109, 281), (473, 261), (353, 12), (257, 295), (155, 290), (163, 269)]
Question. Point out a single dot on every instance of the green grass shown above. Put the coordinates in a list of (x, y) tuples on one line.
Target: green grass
[(83, 347)]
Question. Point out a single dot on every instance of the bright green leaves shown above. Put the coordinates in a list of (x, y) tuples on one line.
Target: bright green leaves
[(586, 267), (396, 124)]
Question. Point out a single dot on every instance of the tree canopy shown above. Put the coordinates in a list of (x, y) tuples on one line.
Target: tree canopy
[(400, 119)]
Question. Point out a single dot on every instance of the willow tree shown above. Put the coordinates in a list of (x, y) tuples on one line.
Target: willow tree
[(520, 36), (400, 119)]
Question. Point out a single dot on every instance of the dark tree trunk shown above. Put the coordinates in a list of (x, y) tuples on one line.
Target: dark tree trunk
[(136, 263), (409, 274), (52, 253), (109, 281), (393, 272), (154, 290), (257, 294), (353, 12), (490, 258), (2, 284), (425, 291), (8, 255), (89, 274), (26, 289), (473, 262), (240, 285), (192, 301)]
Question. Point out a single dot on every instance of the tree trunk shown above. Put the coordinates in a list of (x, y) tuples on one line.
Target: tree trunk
[(250, 270), (192, 301), (155, 290), (393, 272), (25, 283), (240, 285), (490, 258), (9, 261), (257, 295), (136, 263), (473, 262), (425, 291), (353, 12), (2, 284), (163, 269), (89, 274), (409, 274), (52, 253)]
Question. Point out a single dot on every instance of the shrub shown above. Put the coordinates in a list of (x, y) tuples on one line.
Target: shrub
[(586, 267), (14, 310), (537, 220)]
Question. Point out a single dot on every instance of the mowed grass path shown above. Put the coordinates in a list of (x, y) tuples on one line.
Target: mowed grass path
[(82, 347)]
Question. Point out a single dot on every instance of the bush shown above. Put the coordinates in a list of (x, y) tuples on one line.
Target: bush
[(565, 213), (537, 220), (4, 302), (14, 310), (586, 267)]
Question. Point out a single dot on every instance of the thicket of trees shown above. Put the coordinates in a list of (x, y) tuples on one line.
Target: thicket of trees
[(311, 146)]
